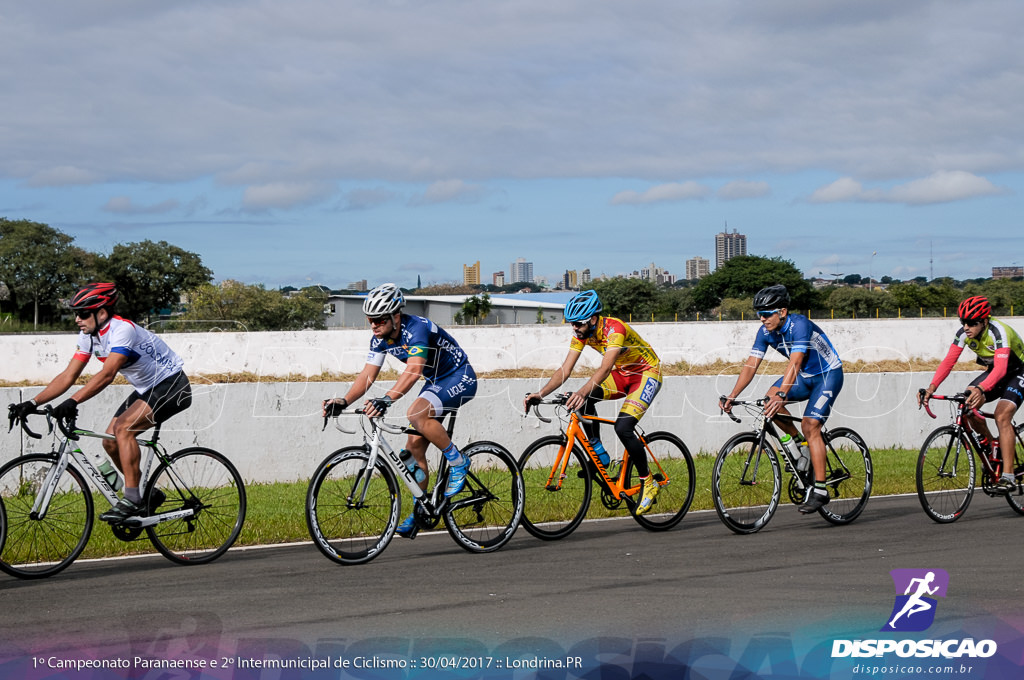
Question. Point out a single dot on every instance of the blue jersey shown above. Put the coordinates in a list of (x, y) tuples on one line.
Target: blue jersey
[(421, 338), (799, 334)]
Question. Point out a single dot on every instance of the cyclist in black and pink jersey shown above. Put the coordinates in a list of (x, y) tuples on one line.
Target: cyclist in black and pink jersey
[(161, 387), (1001, 351)]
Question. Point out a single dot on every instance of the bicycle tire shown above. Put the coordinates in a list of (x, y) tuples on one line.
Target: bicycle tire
[(675, 496), (945, 493), (486, 513), (205, 481), (38, 548), (849, 476), (1016, 498), (552, 514), (347, 532), (744, 502)]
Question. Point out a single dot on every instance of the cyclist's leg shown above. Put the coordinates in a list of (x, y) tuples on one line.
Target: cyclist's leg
[(433, 402), (973, 422), (821, 391), (642, 390), (798, 392), (1006, 408)]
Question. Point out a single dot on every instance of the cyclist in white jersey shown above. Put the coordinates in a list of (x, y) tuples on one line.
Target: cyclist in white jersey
[(153, 369)]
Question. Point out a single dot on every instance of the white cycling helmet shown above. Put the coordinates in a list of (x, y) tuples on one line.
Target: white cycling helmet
[(384, 299)]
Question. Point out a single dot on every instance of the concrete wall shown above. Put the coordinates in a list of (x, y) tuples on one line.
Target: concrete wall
[(37, 358), (271, 430)]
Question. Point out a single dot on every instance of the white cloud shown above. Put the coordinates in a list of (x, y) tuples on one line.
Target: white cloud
[(449, 190), (123, 205), (284, 195), (363, 199), (684, 191), (740, 189), (940, 187)]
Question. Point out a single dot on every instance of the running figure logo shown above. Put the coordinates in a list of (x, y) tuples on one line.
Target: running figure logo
[(914, 609)]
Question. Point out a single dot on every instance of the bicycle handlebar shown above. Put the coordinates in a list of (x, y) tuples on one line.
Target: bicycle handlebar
[(557, 400), (47, 411), (959, 398), (387, 427), (759, 403)]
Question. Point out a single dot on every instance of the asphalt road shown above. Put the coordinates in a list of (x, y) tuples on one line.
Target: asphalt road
[(610, 578)]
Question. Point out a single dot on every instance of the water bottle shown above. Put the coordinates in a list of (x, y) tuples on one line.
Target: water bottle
[(790, 445), (109, 473), (417, 472), (602, 454), (803, 463)]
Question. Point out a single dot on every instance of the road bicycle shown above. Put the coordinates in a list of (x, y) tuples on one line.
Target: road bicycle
[(354, 501), (560, 471), (945, 467), (746, 482), (195, 499)]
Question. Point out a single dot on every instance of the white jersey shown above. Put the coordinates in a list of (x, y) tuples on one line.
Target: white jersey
[(150, 360)]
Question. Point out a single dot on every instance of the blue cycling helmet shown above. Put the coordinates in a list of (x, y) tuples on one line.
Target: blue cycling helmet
[(582, 306)]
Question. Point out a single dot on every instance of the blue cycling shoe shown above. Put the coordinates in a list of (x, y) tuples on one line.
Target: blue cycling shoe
[(407, 529), (456, 478)]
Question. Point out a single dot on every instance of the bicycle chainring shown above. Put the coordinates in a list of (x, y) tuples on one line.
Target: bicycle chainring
[(609, 501), (125, 533), (425, 519), (796, 494)]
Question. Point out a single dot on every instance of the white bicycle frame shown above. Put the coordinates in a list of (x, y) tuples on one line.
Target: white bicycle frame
[(66, 454)]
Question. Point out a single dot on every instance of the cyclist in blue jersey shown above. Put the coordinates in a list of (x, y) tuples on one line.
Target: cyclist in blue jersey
[(161, 387), (814, 373), (427, 351)]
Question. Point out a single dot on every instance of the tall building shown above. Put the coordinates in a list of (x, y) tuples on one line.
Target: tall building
[(498, 278), (471, 274), (521, 271), (1007, 272), (697, 268), (728, 246), (570, 279), (359, 286), (585, 277), (656, 274)]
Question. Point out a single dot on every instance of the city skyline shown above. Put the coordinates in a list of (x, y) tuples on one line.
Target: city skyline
[(335, 142)]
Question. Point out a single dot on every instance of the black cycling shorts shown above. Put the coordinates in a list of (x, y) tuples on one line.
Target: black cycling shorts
[(1010, 388), (169, 396)]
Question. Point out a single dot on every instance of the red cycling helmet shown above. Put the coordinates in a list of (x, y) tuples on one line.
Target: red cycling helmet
[(976, 308), (94, 296)]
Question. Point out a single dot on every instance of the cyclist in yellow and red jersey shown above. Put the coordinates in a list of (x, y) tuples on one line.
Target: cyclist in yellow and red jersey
[(1001, 351), (630, 369)]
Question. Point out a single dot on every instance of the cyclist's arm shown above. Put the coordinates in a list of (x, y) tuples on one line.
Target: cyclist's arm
[(63, 381), (746, 375), (96, 384), (413, 371), (1000, 364), (600, 375), (560, 375), (359, 386), (775, 403), (942, 372)]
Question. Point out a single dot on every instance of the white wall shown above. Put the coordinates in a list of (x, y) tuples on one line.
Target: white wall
[(37, 358), (271, 430)]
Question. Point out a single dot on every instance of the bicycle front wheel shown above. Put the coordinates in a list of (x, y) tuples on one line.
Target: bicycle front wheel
[(746, 483), (44, 543), (945, 475), (484, 515), (672, 466), (553, 511), (352, 509), (205, 482), (848, 476)]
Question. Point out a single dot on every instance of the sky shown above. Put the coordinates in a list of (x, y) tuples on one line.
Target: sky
[(330, 141)]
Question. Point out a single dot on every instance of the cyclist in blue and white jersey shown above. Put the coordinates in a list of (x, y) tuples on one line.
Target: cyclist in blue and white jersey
[(814, 373), (427, 351), (161, 387)]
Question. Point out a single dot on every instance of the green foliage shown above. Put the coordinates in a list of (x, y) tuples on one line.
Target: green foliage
[(859, 302), (624, 297), (741, 277), (151, 276), (475, 309), (936, 295), (540, 315), (256, 308), (40, 265), (737, 308)]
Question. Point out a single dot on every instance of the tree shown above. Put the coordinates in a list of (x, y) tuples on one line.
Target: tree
[(39, 264), (256, 308), (859, 301), (853, 279), (741, 277), (476, 308), (152, 276), (621, 297)]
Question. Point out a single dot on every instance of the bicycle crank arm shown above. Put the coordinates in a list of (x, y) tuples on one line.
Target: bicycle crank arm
[(143, 522)]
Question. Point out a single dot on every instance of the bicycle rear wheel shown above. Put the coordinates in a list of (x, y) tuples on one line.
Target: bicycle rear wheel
[(352, 511), (1016, 498), (554, 512), (746, 483), (667, 455), (37, 547), (848, 476), (205, 482), (486, 513), (945, 475)]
